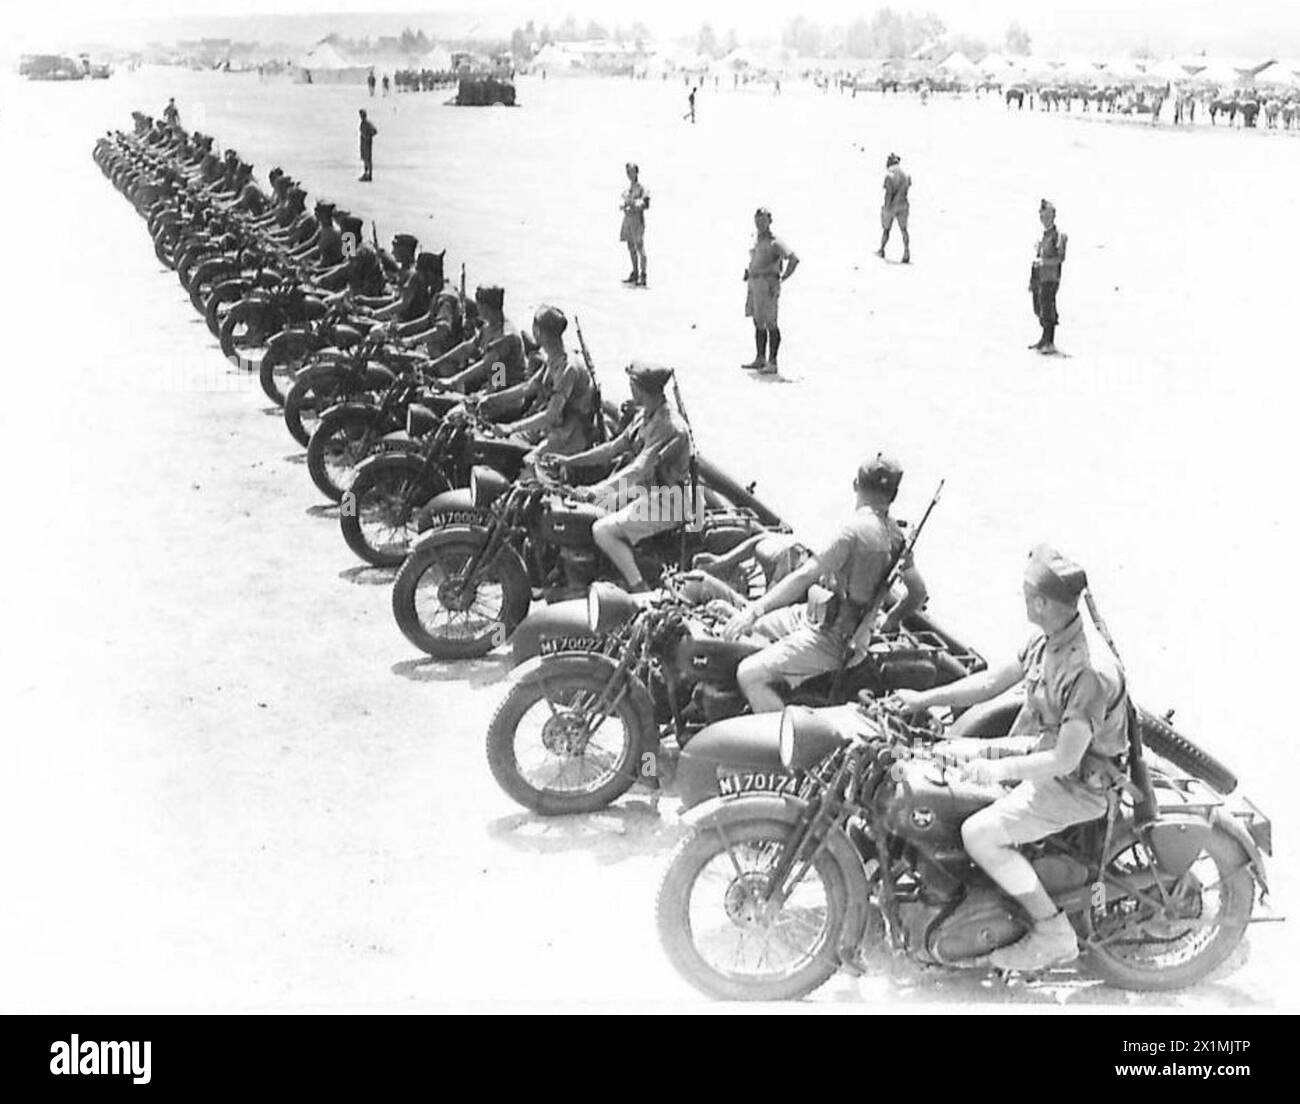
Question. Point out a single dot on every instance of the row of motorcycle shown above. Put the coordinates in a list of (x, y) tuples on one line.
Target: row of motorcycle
[(824, 837)]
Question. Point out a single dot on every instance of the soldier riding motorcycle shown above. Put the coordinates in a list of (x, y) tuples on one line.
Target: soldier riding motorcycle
[(771, 894)]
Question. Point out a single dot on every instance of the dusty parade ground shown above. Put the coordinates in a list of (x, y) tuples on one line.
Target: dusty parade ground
[(230, 783)]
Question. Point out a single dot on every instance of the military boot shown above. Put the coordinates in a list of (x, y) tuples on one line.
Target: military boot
[(1049, 942)]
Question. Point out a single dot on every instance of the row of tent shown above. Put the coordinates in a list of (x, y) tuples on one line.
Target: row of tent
[(325, 64), (576, 57)]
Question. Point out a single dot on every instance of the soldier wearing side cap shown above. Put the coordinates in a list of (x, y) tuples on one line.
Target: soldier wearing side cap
[(1060, 752), (649, 493), (840, 585), (770, 265), (493, 358), (559, 400), (1045, 277)]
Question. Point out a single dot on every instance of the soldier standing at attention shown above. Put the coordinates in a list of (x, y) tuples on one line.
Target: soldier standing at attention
[(895, 208), (770, 264), (368, 132), (635, 200), (1045, 277)]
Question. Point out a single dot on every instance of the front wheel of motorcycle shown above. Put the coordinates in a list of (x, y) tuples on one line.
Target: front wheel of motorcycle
[(725, 940), (342, 439), (1201, 918), (448, 616), (380, 522), (540, 747)]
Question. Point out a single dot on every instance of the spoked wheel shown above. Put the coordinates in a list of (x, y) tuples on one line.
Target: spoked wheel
[(447, 614), (551, 752), (218, 306), (311, 394), (281, 363), (722, 936), (245, 332), (341, 440), (1183, 928), (380, 524)]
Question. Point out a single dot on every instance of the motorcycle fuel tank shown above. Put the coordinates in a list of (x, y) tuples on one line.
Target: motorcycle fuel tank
[(703, 658), (569, 526), (927, 807)]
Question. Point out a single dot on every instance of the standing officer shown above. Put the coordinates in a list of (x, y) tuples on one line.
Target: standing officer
[(1078, 717), (368, 132), (635, 200), (650, 492), (895, 208), (840, 584), (770, 264), (1045, 277)]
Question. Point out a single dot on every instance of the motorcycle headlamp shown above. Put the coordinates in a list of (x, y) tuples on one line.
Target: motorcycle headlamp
[(608, 607), (420, 420), (485, 486), (806, 737)]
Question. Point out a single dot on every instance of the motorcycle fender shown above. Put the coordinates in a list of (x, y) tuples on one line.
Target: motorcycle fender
[(719, 812), (398, 453), (295, 339), (238, 284), (1230, 825), (453, 507), (352, 407), (559, 627)]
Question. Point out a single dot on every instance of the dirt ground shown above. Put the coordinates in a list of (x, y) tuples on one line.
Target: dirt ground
[(232, 785)]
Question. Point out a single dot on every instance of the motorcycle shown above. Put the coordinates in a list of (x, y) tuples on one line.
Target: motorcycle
[(391, 488), (464, 588), (352, 429), (582, 724), (772, 894)]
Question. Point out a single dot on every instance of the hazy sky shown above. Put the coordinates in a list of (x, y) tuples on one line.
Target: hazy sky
[(1183, 24)]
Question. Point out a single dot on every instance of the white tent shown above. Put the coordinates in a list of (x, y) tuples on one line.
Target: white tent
[(323, 64), (438, 59), (1173, 70), (1000, 67), (554, 59), (958, 64)]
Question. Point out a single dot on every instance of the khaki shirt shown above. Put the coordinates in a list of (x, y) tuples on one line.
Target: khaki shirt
[(1062, 685), (1050, 256), (855, 562), (660, 446), (766, 257)]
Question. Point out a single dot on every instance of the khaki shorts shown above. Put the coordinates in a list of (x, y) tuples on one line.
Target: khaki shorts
[(647, 514), (797, 655), (762, 300), (1036, 810), (888, 218)]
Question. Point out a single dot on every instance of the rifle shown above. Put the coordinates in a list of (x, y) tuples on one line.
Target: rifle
[(887, 580), (602, 430)]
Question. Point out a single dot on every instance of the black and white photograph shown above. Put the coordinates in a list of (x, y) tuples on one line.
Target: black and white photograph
[(417, 601)]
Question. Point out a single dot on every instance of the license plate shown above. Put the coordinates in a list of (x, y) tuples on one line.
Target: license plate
[(772, 782), (554, 644)]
